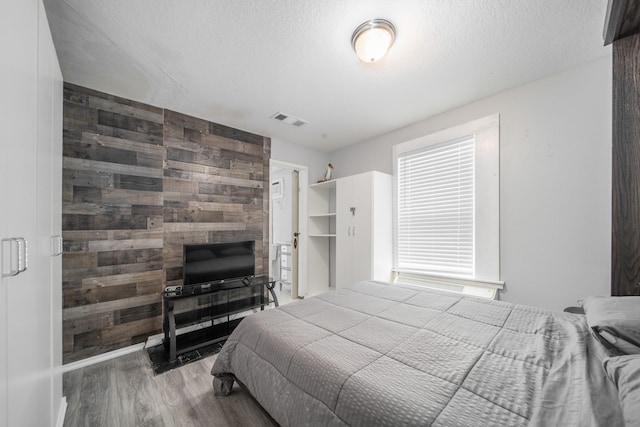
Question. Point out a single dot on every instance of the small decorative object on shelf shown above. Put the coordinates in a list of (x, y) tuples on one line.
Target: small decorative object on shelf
[(327, 174)]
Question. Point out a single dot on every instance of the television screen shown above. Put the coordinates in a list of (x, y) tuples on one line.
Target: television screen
[(216, 262)]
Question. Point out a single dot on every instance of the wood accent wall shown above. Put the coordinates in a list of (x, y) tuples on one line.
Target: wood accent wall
[(138, 182), (215, 189), (625, 239)]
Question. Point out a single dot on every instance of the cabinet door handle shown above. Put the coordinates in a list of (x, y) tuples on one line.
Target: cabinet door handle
[(9, 244), (22, 251), (354, 231), (23, 254), (56, 245), (349, 231)]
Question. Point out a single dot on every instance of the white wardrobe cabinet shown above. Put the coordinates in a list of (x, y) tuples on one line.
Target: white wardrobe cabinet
[(350, 231), (30, 219), (363, 228)]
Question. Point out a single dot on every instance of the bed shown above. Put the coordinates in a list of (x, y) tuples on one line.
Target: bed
[(375, 354)]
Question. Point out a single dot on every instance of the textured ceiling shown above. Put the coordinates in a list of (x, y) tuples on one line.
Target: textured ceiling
[(239, 62)]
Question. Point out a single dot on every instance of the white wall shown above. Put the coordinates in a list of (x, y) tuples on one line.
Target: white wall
[(555, 169), (316, 161)]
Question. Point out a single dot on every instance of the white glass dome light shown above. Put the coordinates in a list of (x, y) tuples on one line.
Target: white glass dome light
[(372, 39)]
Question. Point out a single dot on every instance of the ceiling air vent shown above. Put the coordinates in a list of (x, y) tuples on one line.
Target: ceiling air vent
[(288, 119)]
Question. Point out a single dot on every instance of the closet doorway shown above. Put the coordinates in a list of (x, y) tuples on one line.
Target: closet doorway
[(287, 230)]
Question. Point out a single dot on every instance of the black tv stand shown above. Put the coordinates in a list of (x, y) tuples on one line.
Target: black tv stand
[(219, 307)]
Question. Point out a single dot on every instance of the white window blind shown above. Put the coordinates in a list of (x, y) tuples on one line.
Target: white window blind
[(435, 208)]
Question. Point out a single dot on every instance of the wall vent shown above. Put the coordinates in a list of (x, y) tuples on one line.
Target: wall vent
[(289, 119)]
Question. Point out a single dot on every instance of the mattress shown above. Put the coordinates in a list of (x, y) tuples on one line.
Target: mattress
[(375, 354)]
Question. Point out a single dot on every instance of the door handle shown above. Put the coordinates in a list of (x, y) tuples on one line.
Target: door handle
[(56, 245), (23, 259), (349, 231), (22, 251), (9, 244), (354, 231)]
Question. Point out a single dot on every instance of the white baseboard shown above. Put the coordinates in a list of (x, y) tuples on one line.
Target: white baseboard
[(153, 340), (62, 410), (101, 357)]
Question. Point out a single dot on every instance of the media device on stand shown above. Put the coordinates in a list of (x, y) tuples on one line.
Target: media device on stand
[(210, 266)]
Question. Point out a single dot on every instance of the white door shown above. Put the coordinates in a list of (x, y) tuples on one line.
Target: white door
[(345, 217), (29, 68), (361, 231), (27, 388)]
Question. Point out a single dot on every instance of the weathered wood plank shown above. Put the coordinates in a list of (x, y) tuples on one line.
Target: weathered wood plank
[(109, 306), (213, 206), (130, 123), (103, 222), (78, 297), (178, 227), (69, 163), (124, 144), (131, 256), (81, 95), (121, 279), (119, 245), (151, 115), (98, 235), (132, 197)]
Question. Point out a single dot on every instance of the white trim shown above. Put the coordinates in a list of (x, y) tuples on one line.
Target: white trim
[(454, 280), (486, 131), (303, 183), (62, 411), (102, 357), (449, 284)]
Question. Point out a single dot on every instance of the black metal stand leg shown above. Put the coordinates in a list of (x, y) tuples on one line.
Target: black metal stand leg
[(270, 286), (172, 332)]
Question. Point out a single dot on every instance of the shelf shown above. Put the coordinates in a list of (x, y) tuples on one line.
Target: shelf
[(323, 215), (203, 337), (327, 185), (322, 235)]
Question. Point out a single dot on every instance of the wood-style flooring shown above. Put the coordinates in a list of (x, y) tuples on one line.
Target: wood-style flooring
[(124, 392)]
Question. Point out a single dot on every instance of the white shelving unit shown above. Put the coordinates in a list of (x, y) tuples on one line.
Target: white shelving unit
[(322, 233), (350, 231)]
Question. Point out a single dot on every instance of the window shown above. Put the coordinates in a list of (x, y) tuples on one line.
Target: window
[(446, 199), (435, 208)]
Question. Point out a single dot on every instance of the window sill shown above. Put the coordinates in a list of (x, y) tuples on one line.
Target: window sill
[(465, 285)]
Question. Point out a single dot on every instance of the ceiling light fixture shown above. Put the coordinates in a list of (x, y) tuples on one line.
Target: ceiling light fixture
[(372, 39)]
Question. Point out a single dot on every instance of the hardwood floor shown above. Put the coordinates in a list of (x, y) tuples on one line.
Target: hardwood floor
[(124, 392)]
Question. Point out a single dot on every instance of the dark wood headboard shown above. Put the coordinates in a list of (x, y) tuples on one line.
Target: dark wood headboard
[(622, 28), (622, 20)]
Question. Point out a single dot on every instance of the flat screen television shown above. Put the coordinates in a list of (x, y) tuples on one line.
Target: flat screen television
[(213, 263)]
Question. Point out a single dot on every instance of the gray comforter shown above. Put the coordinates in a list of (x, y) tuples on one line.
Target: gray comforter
[(376, 354)]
